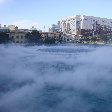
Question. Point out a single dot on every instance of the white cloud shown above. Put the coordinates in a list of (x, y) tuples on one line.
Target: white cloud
[(3, 1), (26, 24)]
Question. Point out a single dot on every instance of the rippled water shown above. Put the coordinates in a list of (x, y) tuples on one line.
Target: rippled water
[(65, 78)]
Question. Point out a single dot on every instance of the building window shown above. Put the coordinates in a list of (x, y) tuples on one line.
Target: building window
[(21, 37), (17, 37), (17, 41), (90, 32), (12, 37)]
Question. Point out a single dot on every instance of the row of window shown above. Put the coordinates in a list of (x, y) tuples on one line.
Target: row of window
[(18, 37), (19, 41)]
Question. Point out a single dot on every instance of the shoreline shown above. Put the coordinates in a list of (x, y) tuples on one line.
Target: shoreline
[(69, 43)]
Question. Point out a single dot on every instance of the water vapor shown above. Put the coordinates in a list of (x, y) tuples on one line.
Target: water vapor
[(55, 79)]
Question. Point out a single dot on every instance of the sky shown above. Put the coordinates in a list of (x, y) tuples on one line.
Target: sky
[(27, 13)]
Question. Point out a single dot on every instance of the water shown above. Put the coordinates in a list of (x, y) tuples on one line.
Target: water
[(65, 78)]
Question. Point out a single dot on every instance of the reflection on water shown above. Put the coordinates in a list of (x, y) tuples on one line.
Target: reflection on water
[(55, 79)]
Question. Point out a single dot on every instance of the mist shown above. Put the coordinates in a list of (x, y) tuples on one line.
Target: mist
[(65, 78)]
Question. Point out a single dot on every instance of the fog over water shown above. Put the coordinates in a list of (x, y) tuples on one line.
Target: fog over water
[(65, 78)]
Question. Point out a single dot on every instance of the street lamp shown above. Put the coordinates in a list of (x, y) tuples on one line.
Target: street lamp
[(94, 28)]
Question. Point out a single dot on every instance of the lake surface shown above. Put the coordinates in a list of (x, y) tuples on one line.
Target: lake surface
[(63, 78)]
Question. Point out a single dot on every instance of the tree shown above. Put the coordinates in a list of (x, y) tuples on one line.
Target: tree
[(94, 39), (33, 37), (101, 37), (49, 41), (4, 37), (87, 39), (60, 38)]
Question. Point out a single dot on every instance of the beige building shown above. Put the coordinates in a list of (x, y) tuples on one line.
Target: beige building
[(11, 27), (18, 37)]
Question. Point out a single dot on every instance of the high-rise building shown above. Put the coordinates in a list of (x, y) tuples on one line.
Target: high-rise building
[(85, 25)]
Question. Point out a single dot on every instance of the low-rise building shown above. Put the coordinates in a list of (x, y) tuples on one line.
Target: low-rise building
[(54, 35), (11, 27), (18, 37), (4, 29), (32, 29)]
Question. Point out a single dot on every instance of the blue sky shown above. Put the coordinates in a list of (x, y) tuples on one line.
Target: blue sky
[(27, 13)]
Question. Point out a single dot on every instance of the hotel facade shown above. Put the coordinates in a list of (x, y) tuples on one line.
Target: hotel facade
[(85, 25)]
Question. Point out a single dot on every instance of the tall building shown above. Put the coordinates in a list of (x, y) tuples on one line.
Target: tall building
[(55, 27), (85, 25)]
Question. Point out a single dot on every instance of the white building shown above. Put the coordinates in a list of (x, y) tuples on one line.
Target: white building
[(4, 28), (74, 24)]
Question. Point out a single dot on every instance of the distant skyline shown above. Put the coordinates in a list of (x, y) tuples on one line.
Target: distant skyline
[(27, 13)]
